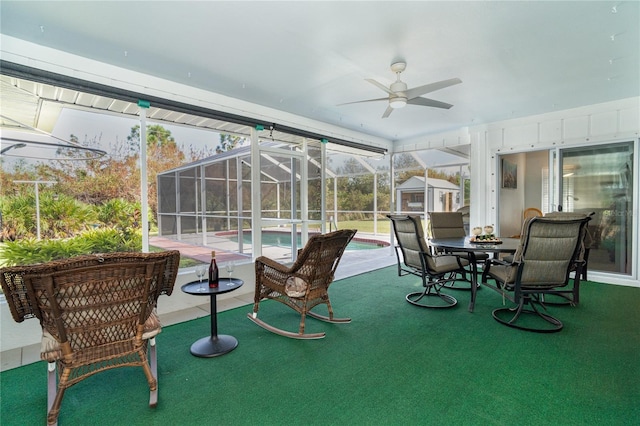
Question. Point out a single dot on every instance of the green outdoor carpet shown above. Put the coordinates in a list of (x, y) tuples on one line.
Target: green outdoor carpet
[(394, 364)]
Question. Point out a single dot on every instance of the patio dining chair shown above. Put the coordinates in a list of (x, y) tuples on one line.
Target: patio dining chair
[(415, 258), (451, 225), (303, 285), (96, 312), (549, 249), (571, 296)]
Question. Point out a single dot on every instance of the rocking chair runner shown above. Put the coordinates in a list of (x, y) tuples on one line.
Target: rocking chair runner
[(304, 285), (96, 312)]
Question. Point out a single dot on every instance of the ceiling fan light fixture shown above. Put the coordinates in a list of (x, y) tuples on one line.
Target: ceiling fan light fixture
[(396, 103)]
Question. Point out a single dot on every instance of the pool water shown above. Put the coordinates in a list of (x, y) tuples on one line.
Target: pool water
[(283, 239)]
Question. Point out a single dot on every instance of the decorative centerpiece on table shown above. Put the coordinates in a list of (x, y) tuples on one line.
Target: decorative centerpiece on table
[(488, 237)]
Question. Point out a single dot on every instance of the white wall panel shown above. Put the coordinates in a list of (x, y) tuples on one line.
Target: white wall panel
[(521, 136), (575, 127), (494, 137), (605, 123), (630, 120), (550, 131)]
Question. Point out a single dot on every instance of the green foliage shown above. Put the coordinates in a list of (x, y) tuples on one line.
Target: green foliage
[(61, 216), (119, 213), (28, 251), (355, 191), (156, 135), (105, 240), (229, 142), (65, 215), (18, 214)]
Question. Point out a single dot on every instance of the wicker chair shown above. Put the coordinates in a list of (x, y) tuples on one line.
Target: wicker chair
[(531, 212), (303, 285), (417, 259), (549, 249), (528, 213), (97, 313)]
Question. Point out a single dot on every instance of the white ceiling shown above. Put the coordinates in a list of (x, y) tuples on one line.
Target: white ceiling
[(514, 58)]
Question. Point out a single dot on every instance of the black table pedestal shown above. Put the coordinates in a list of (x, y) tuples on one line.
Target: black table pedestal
[(215, 344), (211, 346)]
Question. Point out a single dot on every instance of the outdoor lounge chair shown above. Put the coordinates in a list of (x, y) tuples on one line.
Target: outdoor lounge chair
[(303, 285), (415, 258), (96, 312), (549, 249)]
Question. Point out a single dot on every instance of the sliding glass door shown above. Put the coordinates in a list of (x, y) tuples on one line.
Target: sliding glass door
[(599, 179)]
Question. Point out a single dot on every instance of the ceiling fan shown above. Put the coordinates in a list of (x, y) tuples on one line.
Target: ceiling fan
[(400, 96)]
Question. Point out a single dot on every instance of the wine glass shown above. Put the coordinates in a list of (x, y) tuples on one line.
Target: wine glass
[(201, 271), (230, 266)]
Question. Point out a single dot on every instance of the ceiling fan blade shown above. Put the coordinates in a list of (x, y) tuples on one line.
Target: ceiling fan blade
[(429, 103), (387, 112), (367, 100), (427, 88), (379, 85)]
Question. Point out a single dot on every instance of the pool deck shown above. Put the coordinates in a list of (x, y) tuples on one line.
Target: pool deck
[(20, 342)]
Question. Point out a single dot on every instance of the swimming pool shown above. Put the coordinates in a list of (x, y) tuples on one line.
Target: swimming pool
[(283, 239)]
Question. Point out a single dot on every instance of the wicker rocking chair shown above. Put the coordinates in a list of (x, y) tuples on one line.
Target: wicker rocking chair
[(304, 285), (97, 313)]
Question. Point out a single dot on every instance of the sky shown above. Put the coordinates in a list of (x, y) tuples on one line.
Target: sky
[(112, 128), (107, 129)]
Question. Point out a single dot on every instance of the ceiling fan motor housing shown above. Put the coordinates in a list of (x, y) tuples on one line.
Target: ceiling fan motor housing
[(399, 87)]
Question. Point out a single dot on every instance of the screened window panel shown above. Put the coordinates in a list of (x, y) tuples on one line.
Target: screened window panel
[(167, 194)]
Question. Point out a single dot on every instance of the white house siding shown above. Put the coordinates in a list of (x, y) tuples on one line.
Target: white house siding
[(615, 121)]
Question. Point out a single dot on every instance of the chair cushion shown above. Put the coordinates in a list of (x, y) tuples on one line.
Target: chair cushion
[(295, 287), (152, 326), (51, 351), (443, 264)]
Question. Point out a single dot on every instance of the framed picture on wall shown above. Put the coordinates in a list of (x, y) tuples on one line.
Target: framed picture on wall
[(509, 174)]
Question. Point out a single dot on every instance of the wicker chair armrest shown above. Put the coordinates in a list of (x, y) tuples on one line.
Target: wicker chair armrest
[(268, 263)]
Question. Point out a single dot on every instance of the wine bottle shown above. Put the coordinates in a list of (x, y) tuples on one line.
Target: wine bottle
[(213, 271)]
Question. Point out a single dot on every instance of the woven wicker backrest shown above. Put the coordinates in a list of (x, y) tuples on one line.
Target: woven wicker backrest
[(531, 212), (446, 225), (548, 249), (12, 278), (102, 307), (318, 260), (410, 237)]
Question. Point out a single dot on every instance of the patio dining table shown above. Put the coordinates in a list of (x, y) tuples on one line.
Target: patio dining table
[(462, 244)]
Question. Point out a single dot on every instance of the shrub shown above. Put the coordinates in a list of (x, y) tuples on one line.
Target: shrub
[(105, 240)]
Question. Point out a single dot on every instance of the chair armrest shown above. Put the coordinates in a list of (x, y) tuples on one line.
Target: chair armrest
[(487, 267), (492, 261), (266, 262), (271, 275)]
